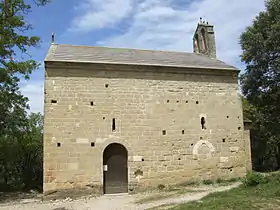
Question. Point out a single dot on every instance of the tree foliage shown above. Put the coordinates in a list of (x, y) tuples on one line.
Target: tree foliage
[(22, 156), (20, 134), (13, 42), (260, 83)]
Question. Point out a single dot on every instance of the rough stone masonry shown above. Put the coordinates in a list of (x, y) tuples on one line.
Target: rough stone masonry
[(121, 119)]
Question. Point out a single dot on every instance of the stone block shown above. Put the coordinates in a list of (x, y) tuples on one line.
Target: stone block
[(137, 158), (82, 140)]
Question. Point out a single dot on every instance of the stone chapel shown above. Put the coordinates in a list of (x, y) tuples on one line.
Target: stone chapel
[(118, 120)]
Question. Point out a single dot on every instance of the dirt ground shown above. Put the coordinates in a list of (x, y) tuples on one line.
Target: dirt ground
[(147, 200)]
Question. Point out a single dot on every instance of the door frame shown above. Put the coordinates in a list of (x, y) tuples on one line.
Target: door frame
[(107, 149)]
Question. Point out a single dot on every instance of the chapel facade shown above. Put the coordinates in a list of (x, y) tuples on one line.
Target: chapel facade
[(117, 120)]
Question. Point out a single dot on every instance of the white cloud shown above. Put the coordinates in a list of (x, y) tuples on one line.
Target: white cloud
[(98, 14), (168, 25), (159, 24), (34, 90)]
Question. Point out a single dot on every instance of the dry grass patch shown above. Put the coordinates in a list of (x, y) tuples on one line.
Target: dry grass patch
[(163, 192)]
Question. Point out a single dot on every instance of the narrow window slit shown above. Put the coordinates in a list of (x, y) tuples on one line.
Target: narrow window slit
[(203, 122), (92, 144), (58, 144), (164, 132), (114, 124), (91, 103), (53, 101), (183, 131)]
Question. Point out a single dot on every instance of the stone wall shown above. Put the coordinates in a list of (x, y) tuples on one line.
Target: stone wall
[(158, 115)]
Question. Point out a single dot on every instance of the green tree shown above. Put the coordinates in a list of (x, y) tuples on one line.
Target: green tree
[(23, 156), (260, 83), (15, 64), (30, 155), (263, 157), (13, 43)]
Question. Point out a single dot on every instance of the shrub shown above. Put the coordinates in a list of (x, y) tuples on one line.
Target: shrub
[(235, 179), (274, 177), (220, 181), (161, 187), (207, 182), (254, 179)]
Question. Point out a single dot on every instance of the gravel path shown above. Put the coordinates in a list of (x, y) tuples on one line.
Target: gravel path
[(108, 202)]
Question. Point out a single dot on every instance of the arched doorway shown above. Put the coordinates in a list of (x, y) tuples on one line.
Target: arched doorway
[(115, 173)]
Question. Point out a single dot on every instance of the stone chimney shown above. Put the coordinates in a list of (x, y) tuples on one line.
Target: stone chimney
[(204, 39)]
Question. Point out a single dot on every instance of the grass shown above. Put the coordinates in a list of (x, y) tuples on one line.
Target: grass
[(162, 207), (209, 182), (164, 192), (256, 192)]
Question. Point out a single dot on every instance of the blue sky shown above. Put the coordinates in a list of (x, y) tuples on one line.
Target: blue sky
[(145, 24)]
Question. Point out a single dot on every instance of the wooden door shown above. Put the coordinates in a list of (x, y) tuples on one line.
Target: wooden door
[(115, 173)]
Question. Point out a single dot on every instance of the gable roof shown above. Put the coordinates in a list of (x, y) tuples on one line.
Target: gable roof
[(106, 55)]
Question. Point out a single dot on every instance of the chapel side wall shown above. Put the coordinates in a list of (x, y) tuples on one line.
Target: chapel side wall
[(247, 140), (144, 105)]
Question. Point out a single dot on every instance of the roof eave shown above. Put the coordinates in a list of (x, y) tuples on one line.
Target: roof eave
[(143, 64)]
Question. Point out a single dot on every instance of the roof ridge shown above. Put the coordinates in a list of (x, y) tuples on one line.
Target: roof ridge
[(125, 48)]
